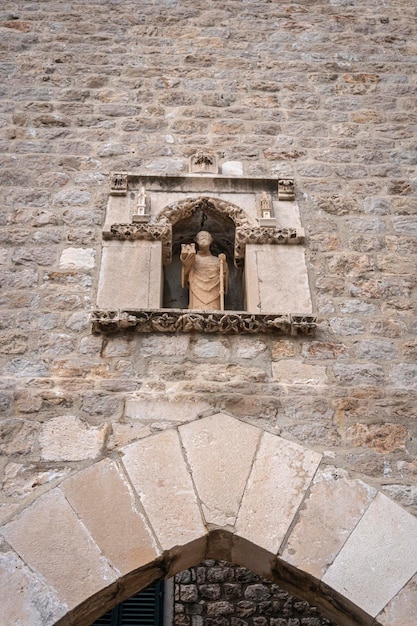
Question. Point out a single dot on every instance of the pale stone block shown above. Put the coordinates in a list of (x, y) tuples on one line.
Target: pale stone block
[(334, 506), (276, 279), (287, 214), (130, 275), (6, 511), (276, 487), (123, 434), (157, 409), (212, 446), (380, 555), (77, 258), (249, 348), (124, 538), (24, 599), (293, 372), (160, 476), (21, 480), (402, 610), (232, 168), (67, 438), (54, 543), (118, 211)]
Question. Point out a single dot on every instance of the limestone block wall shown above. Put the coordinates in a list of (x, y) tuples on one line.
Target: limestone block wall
[(321, 91)]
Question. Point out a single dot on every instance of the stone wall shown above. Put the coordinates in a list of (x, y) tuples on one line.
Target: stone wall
[(217, 593), (323, 91)]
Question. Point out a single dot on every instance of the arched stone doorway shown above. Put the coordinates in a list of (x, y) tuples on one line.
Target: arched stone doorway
[(213, 488)]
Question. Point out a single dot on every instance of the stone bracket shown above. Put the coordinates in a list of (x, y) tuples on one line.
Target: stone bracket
[(186, 321)]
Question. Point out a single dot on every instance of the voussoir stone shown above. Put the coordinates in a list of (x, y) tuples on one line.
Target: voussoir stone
[(95, 494), (25, 599), (402, 609), (331, 511), (280, 476), (211, 446), (52, 540), (380, 555), (160, 476)]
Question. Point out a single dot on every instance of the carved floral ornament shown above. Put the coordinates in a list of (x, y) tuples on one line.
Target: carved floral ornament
[(183, 320)]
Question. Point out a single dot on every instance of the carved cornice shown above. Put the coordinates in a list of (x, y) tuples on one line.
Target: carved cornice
[(186, 321), (147, 232), (244, 235), (263, 235)]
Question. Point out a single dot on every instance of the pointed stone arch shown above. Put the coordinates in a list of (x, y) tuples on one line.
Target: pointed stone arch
[(181, 209), (213, 488)]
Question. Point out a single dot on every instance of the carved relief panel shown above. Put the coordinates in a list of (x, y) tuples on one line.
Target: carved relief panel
[(206, 247)]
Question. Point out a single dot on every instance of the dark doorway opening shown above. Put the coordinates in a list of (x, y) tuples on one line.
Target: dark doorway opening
[(143, 609)]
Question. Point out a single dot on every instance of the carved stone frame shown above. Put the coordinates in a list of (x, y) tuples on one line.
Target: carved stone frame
[(144, 238)]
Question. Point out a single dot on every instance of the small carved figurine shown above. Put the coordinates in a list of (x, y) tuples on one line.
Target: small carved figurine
[(265, 205), (205, 275)]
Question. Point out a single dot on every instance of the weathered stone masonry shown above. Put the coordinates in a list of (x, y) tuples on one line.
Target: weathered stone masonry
[(320, 91)]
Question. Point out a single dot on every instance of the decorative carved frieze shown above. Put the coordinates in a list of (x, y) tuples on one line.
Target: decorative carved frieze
[(183, 320), (147, 232), (118, 184), (286, 189), (263, 235)]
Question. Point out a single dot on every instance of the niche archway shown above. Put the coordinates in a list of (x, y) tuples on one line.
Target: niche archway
[(187, 218), (213, 488)]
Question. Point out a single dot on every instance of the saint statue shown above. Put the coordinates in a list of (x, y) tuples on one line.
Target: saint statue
[(204, 274)]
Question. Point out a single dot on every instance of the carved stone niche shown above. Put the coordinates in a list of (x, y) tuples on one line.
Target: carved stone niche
[(148, 219)]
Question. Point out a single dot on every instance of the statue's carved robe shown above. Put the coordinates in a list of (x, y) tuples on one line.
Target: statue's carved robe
[(204, 283)]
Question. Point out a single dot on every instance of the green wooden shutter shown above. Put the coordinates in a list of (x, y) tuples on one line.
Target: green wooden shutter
[(143, 609)]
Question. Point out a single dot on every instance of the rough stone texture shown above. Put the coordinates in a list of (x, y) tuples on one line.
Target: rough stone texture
[(66, 438), (218, 592), (323, 92)]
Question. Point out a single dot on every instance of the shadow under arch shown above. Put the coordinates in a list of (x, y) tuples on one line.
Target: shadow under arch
[(218, 488)]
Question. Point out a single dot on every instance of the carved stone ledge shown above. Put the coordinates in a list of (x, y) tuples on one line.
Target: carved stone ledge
[(147, 232), (186, 321), (264, 235)]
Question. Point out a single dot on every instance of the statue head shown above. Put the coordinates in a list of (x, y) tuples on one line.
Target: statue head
[(204, 238)]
